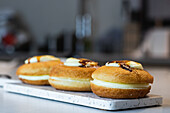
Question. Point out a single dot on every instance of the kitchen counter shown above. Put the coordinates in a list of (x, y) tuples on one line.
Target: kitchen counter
[(16, 103)]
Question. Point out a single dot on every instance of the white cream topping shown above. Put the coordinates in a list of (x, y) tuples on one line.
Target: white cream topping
[(80, 62), (42, 77), (132, 64), (72, 62), (119, 85), (32, 60), (112, 64), (42, 58), (136, 65)]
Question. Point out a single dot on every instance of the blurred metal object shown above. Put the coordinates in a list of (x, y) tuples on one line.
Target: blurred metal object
[(83, 30), (83, 26), (125, 10)]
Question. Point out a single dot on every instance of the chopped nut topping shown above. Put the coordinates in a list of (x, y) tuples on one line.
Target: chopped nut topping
[(87, 63)]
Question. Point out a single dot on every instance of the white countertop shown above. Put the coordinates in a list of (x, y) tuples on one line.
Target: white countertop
[(14, 103)]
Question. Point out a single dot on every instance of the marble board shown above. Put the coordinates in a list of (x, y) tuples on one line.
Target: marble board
[(82, 98)]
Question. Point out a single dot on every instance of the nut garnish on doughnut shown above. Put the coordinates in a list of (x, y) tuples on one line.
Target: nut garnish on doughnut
[(80, 62)]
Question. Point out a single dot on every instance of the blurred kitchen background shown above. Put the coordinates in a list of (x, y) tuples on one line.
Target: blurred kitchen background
[(101, 30)]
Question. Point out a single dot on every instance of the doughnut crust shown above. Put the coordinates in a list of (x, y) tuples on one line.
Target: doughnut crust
[(80, 75), (72, 72), (119, 93), (39, 68), (35, 82), (119, 75), (70, 86)]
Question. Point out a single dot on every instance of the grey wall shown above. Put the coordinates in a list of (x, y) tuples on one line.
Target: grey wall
[(106, 15), (45, 16), (159, 9), (109, 15), (53, 16)]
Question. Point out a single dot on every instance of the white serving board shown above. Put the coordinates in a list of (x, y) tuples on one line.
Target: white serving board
[(82, 98)]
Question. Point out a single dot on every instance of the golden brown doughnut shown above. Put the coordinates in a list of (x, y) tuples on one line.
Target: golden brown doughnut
[(116, 93), (118, 82), (37, 73), (72, 78), (39, 68), (119, 75), (35, 82)]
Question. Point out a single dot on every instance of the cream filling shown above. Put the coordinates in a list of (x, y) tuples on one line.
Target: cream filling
[(70, 82), (119, 85), (42, 58), (132, 64), (72, 62), (41, 77)]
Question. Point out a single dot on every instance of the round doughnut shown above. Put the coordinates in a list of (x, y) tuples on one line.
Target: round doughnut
[(36, 73), (117, 82), (71, 78), (119, 75)]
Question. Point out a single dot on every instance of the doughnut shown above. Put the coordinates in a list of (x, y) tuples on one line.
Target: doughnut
[(36, 69), (121, 79), (74, 75)]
